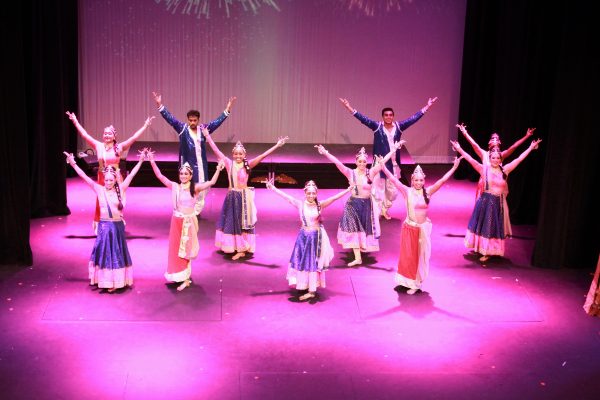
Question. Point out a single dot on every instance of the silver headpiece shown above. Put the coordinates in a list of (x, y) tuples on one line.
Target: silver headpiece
[(239, 146), (418, 171)]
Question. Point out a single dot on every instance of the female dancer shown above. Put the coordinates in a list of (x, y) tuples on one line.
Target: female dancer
[(312, 252), (415, 236), (235, 227), (110, 265), (108, 151), (494, 144), (485, 233), (183, 233), (359, 228)]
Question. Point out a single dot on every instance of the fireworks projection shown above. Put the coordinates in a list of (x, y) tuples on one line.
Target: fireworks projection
[(375, 7), (203, 8)]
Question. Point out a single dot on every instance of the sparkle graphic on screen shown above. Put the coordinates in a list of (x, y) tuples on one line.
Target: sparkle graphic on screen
[(204, 8), (375, 7)]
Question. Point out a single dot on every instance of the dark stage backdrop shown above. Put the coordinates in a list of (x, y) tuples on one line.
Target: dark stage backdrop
[(39, 82), (523, 66), (528, 65)]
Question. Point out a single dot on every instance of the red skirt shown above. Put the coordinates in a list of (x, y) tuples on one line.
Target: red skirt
[(183, 247)]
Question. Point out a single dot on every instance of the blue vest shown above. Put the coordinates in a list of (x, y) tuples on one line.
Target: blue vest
[(381, 145), (187, 147)]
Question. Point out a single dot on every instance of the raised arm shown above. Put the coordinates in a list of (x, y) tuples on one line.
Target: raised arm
[(380, 161), (163, 179), (430, 102), (167, 116), (133, 172), (343, 169), (82, 132), (127, 143), (71, 162), (347, 105), (478, 167), (333, 198), (205, 185), (255, 161), (285, 196), (511, 149), (401, 187), (373, 125), (157, 98), (478, 150), (214, 124), (230, 103), (416, 116), (434, 188), (513, 164), (212, 144)]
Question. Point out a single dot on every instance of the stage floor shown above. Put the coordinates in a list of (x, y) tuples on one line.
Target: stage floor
[(504, 331)]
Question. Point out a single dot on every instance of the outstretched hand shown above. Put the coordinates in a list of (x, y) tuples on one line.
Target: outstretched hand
[(346, 104), (270, 182), (431, 101), (457, 161), (455, 145), (157, 98), (146, 154), (70, 158), (462, 127), (534, 144), (230, 103), (72, 116), (148, 121), (321, 149), (529, 132), (281, 141), (399, 144)]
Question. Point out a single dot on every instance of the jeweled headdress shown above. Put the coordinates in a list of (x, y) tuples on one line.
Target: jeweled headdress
[(188, 167), (239, 146), (112, 130), (362, 153), (109, 170), (310, 185), (418, 172), (494, 140)]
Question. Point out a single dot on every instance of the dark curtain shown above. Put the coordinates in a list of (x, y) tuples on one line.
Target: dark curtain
[(52, 86), (568, 209), (14, 155), (38, 84), (528, 64)]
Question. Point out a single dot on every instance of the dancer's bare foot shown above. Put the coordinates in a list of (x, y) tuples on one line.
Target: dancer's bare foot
[(385, 215), (238, 255), (412, 291), (184, 284), (484, 258), (111, 290), (355, 262), (307, 296)]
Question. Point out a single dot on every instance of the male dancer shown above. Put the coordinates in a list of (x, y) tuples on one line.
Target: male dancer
[(385, 134), (191, 143)]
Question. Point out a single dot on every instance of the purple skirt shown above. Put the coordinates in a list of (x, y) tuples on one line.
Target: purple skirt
[(230, 220), (110, 249), (487, 220), (357, 216), (305, 256)]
